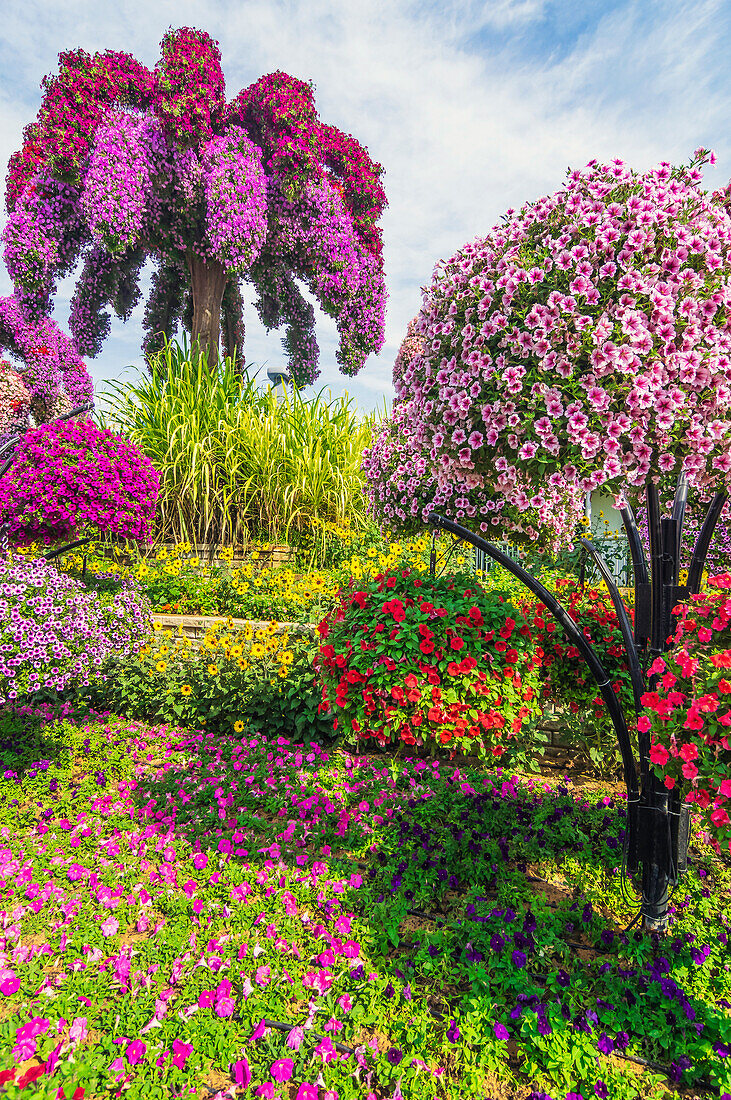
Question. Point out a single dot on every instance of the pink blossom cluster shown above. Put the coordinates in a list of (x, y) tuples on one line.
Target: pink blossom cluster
[(69, 476), (156, 164), (411, 346), (584, 342), (74, 103), (190, 97), (52, 371), (42, 240), (53, 632), (316, 235), (117, 182)]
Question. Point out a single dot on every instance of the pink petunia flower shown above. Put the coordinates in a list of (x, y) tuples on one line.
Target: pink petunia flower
[(282, 1070)]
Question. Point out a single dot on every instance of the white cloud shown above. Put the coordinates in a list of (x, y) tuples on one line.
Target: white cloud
[(471, 107)]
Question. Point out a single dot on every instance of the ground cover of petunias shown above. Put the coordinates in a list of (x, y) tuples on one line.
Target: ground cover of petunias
[(187, 914)]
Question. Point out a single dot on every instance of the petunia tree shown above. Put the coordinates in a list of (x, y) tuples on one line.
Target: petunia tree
[(584, 343), (124, 163)]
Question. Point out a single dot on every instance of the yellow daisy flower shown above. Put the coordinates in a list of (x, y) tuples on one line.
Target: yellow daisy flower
[(212, 670), (238, 726), (161, 666), (186, 689)]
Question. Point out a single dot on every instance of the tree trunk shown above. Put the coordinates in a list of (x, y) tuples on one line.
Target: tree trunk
[(208, 282)]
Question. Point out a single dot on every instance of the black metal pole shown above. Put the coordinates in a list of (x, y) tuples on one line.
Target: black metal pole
[(575, 636)]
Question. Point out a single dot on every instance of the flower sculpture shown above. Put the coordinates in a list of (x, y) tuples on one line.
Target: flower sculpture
[(583, 343), (49, 378), (124, 163)]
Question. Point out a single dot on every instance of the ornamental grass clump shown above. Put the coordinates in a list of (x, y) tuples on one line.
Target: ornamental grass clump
[(69, 476), (234, 461), (425, 661), (688, 710), (54, 633)]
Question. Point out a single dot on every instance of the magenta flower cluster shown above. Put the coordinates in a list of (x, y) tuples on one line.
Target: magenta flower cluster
[(584, 342), (53, 373), (53, 632), (70, 476), (125, 163)]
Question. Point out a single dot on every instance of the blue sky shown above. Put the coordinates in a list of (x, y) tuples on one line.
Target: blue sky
[(472, 107)]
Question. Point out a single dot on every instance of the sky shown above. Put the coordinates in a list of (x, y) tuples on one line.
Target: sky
[(471, 107)]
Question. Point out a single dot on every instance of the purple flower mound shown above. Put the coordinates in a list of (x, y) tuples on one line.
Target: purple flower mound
[(53, 632), (71, 475)]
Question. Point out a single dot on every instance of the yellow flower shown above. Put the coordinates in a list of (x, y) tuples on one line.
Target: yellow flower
[(243, 665), (283, 672), (212, 670), (238, 726), (157, 626), (161, 666), (186, 689), (257, 650), (287, 657), (236, 650)]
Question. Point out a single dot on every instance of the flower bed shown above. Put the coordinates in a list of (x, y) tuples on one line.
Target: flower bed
[(187, 914)]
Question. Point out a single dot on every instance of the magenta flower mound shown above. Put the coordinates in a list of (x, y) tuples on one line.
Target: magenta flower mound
[(135, 1052), (583, 343), (125, 163), (54, 633), (69, 476)]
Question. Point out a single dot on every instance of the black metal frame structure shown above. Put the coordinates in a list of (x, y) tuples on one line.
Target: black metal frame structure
[(657, 831)]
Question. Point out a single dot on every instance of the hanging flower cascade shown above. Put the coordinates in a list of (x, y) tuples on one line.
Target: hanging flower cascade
[(123, 163), (584, 342), (49, 378)]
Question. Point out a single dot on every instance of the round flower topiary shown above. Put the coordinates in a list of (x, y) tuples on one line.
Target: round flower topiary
[(54, 633), (584, 342), (70, 476)]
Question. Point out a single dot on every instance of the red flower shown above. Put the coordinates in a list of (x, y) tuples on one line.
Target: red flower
[(456, 642)]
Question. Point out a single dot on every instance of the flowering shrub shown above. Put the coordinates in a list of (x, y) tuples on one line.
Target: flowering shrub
[(416, 659), (70, 475), (14, 403), (258, 677), (53, 632), (123, 163), (688, 712), (582, 343)]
